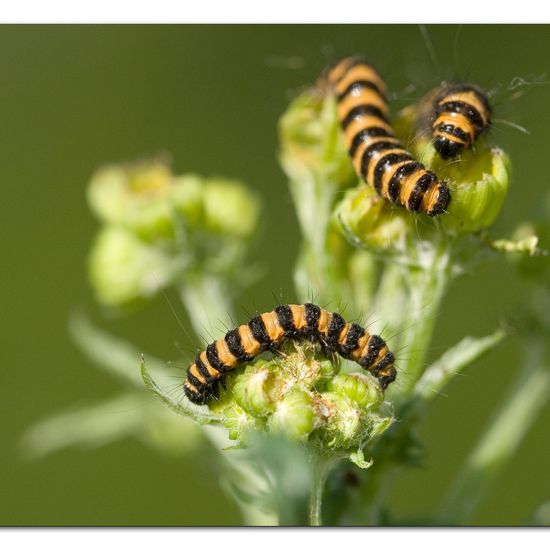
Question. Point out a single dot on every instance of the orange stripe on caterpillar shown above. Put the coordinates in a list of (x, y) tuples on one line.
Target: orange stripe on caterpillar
[(377, 156), (269, 330)]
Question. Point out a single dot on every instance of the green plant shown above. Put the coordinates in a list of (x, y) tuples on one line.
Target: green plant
[(290, 427)]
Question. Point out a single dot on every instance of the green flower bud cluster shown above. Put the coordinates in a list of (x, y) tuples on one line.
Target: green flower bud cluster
[(301, 395), (312, 145), (371, 222), (478, 181), (156, 225)]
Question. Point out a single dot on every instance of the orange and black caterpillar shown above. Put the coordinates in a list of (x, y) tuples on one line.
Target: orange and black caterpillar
[(377, 155), (269, 330), (460, 114)]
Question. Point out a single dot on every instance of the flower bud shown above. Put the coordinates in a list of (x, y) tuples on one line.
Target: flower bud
[(372, 222), (359, 388), (287, 396), (238, 423), (123, 269), (478, 184), (478, 190), (230, 208), (312, 143), (294, 416), (344, 425), (258, 387), (478, 180), (187, 198), (135, 196)]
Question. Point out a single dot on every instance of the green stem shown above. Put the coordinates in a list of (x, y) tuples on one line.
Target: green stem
[(328, 270), (427, 289), (390, 296), (313, 198), (427, 280), (499, 442), (319, 474)]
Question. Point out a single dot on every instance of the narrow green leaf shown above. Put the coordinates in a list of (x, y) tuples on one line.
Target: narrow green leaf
[(183, 407), (114, 355), (89, 426), (500, 440), (453, 362)]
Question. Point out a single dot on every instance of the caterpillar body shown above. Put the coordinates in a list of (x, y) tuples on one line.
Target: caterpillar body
[(269, 330), (377, 155), (460, 114)]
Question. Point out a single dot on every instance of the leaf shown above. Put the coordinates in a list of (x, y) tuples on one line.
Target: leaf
[(111, 354), (88, 427), (500, 440), (183, 407), (98, 424), (358, 458), (452, 362)]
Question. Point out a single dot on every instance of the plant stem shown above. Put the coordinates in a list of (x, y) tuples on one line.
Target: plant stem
[(388, 305), (321, 467), (427, 281), (499, 442), (427, 285), (313, 198)]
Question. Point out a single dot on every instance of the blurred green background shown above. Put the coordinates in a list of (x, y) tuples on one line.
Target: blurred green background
[(75, 97)]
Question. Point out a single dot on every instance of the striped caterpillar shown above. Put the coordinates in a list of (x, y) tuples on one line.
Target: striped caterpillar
[(460, 113), (377, 155), (269, 330)]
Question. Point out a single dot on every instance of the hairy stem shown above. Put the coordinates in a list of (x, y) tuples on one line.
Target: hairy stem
[(313, 198), (427, 281), (427, 284), (321, 467)]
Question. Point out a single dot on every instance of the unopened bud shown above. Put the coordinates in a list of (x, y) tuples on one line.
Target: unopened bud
[(359, 388), (135, 196), (187, 198), (257, 388), (345, 424), (478, 184), (239, 423), (311, 141), (230, 208), (294, 416), (372, 222), (123, 269)]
